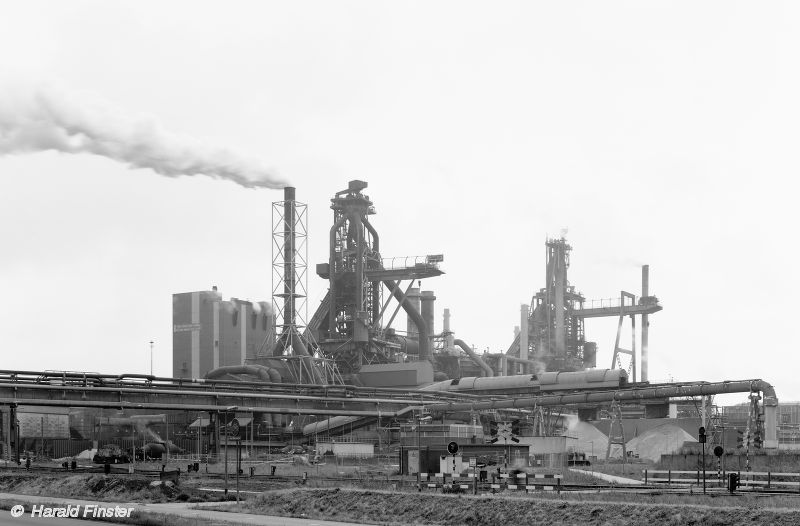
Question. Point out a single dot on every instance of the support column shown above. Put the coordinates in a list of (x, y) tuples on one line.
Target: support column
[(645, 322)]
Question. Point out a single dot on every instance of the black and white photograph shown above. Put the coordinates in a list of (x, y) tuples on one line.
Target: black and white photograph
[(384, 262)]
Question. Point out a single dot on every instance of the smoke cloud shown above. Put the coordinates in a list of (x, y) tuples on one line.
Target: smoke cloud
[(47, 118)]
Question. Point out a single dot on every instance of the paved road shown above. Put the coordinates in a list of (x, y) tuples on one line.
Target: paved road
[(26, 520), (609, 478), (180, 509)]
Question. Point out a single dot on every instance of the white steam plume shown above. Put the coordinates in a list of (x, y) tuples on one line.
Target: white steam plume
[(46, 118)]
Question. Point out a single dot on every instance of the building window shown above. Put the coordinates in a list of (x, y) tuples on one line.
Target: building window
[(263, 322), (235, 317), (253, 319)]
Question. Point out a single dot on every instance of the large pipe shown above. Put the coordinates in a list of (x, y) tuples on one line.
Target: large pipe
[(264, 373), (523, 337), (530, 363), (558, 301), (413, 297), (475, 358), (645, 321), (422, 328), (332, 275), (376, 248), (208, 408), (427, 311), (355, 221), (636, 394)]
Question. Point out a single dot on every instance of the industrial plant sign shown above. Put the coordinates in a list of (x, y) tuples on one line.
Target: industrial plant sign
[(186, 327)]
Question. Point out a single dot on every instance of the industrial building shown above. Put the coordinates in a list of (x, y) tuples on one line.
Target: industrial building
[(209, 332)]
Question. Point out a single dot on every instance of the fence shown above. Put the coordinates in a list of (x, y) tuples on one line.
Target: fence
[(505, 481), (747, 479)]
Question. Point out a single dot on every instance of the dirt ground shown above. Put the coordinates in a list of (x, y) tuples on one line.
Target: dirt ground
[(100, 487), (436, 509), (373, 506)]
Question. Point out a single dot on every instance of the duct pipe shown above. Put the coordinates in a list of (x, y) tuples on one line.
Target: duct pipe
[(422, 328), (332, 275), (530, 363), (558, 300), (523, 337), (475, 358), (407, 345), (206, 408), (644, 393), (413, 298), (427, 311), (265, 373), (645, 322), (355, 221), (376, 248)]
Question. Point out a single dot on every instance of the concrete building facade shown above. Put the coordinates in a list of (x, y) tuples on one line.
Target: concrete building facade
[(209, 332)]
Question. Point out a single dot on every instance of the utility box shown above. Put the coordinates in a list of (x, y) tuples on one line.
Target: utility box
[(450, 464)]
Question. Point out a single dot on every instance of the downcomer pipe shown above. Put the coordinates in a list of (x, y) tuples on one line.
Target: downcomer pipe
[(422, 328), (475, 358), (376, 248)]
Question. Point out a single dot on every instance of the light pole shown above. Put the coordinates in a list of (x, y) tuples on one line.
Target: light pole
[(151, 358)]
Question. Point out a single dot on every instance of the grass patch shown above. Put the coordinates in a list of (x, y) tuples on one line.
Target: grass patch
[(377, 507)]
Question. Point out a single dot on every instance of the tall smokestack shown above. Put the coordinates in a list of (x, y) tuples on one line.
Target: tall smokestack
[(645, 322), (289, 317), (449, 339), (427, 311)]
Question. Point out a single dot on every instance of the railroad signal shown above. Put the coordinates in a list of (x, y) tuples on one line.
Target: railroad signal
[(701, 435), (452, 448), (505, 431), (739, 438), (718, 451)]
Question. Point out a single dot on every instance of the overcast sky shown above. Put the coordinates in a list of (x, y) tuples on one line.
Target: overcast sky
[(662, 133)]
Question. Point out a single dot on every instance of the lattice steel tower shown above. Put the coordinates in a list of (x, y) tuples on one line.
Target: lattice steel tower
[(289, 287)]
